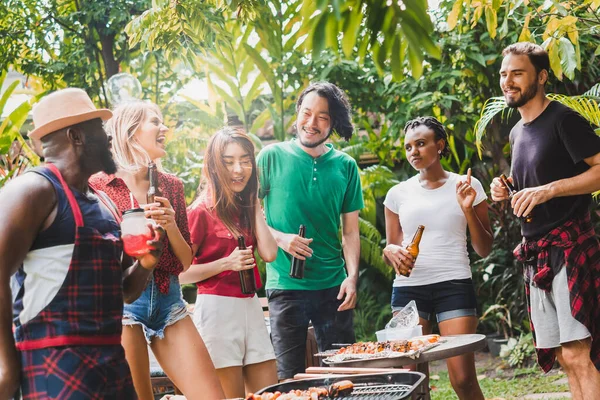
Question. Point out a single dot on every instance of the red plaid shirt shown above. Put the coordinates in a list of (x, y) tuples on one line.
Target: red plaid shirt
[(582, 261), (171, 187)]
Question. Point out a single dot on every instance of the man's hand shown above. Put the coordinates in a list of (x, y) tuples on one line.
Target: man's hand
[(149, 260), (348, 289), (525, 200), (498, 191), (400, 259), (295, 245)]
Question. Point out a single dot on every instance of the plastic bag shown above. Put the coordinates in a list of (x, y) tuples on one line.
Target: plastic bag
[(407, 317)]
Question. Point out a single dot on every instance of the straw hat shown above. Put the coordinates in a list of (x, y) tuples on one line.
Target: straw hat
[(62, 109)]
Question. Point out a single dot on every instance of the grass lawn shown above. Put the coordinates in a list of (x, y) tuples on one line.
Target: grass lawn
[(497, 381)]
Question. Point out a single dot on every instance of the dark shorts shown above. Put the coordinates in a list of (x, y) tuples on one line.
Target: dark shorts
[(76, 373), (448, 299), (290, 312)]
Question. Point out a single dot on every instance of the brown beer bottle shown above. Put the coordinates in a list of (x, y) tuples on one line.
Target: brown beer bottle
[(413, 247), (153, 178), (511, 192), (297, 267), (247, 282)]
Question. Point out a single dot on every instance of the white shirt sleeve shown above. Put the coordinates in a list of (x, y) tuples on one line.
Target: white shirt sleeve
[(392, 199), (481, 196)]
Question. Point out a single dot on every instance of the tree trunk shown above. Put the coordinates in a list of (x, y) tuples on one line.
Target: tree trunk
[(107, 44)]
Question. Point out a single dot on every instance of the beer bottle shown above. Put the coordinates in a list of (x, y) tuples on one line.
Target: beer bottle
[(511, 192), (153, 178), (413, 247), (297, 267), (247, 282)]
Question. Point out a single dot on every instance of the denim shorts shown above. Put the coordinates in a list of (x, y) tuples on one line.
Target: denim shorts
[(154, 311), (448, 299), (290, 312)]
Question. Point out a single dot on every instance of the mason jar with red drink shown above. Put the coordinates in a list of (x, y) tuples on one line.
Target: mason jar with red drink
[(135, 232)]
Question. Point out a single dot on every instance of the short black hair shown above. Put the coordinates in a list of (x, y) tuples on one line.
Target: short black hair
[(339, 107), (536, 53), (433, 124)]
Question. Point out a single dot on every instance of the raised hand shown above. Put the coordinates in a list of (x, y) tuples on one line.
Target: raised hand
[(465, 194)]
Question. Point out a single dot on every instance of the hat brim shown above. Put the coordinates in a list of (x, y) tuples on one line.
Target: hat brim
[(53, 126)]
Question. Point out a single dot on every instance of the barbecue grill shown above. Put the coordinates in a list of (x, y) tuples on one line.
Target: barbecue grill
[(386, 386)]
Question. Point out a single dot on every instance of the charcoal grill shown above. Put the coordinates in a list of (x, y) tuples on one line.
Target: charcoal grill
[(386, 386)]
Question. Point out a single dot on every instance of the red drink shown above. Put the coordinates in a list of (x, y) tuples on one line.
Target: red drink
[(135, 245)]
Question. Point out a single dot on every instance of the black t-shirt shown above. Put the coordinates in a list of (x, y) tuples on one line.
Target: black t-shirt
[(549, 148)]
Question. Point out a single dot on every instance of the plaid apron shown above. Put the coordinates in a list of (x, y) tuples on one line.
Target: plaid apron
[(72, 348)]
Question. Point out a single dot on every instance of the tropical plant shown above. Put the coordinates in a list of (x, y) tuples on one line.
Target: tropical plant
[(393, 31), (518, 353), (499, 314), (558, 24), (15, 153)]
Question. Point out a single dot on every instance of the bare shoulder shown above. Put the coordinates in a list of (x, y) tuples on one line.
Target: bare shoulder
[(29, 193)]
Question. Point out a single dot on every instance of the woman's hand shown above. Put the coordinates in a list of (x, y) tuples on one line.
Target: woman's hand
[(399, 258), (240, 260), (465, 194), (161, 211)]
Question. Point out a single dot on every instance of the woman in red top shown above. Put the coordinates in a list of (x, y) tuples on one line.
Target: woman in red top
[(230, 322), (159, 316)]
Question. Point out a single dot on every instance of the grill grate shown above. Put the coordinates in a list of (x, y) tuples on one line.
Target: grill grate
[(379, 392)]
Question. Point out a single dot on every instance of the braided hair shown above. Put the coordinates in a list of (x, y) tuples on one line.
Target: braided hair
[(437, 128)]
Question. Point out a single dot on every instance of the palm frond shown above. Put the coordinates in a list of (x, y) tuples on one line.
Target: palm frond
[(594, 91), (491, 108), (368, 230), (588, 107), (370, 253)]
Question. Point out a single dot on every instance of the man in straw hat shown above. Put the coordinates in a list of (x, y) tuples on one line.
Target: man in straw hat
[(62, 240)]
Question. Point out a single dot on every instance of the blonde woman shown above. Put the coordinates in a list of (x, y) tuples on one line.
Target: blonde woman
[(158, 317)]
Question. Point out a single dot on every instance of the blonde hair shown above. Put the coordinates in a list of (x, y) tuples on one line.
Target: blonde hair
[(128, 153)]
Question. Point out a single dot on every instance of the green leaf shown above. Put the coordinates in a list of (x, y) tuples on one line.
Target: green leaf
[(568, 59), (491, 20), (351, 31), (416, 63), (7, 93), (260, 120), (319, 35), (397, 60), (265, 70), (253, 92), (231, 103)]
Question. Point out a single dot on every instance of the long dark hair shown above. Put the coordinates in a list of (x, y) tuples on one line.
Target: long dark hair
[(215, 189), (339, 107)]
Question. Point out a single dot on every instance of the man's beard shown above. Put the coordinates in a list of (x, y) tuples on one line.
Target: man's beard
[(101, 155), (529, 94), (312, 145)]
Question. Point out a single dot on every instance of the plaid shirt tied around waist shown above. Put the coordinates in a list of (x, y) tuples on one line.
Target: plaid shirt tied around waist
[(582, 262)]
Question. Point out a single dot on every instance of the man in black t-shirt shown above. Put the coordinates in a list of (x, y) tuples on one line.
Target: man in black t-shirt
[(555, 167)]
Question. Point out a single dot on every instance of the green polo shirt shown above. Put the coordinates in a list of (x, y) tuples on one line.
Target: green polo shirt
[(299, 189)]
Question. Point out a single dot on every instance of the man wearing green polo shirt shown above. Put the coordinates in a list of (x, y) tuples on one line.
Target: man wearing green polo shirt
[(307, 182)]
